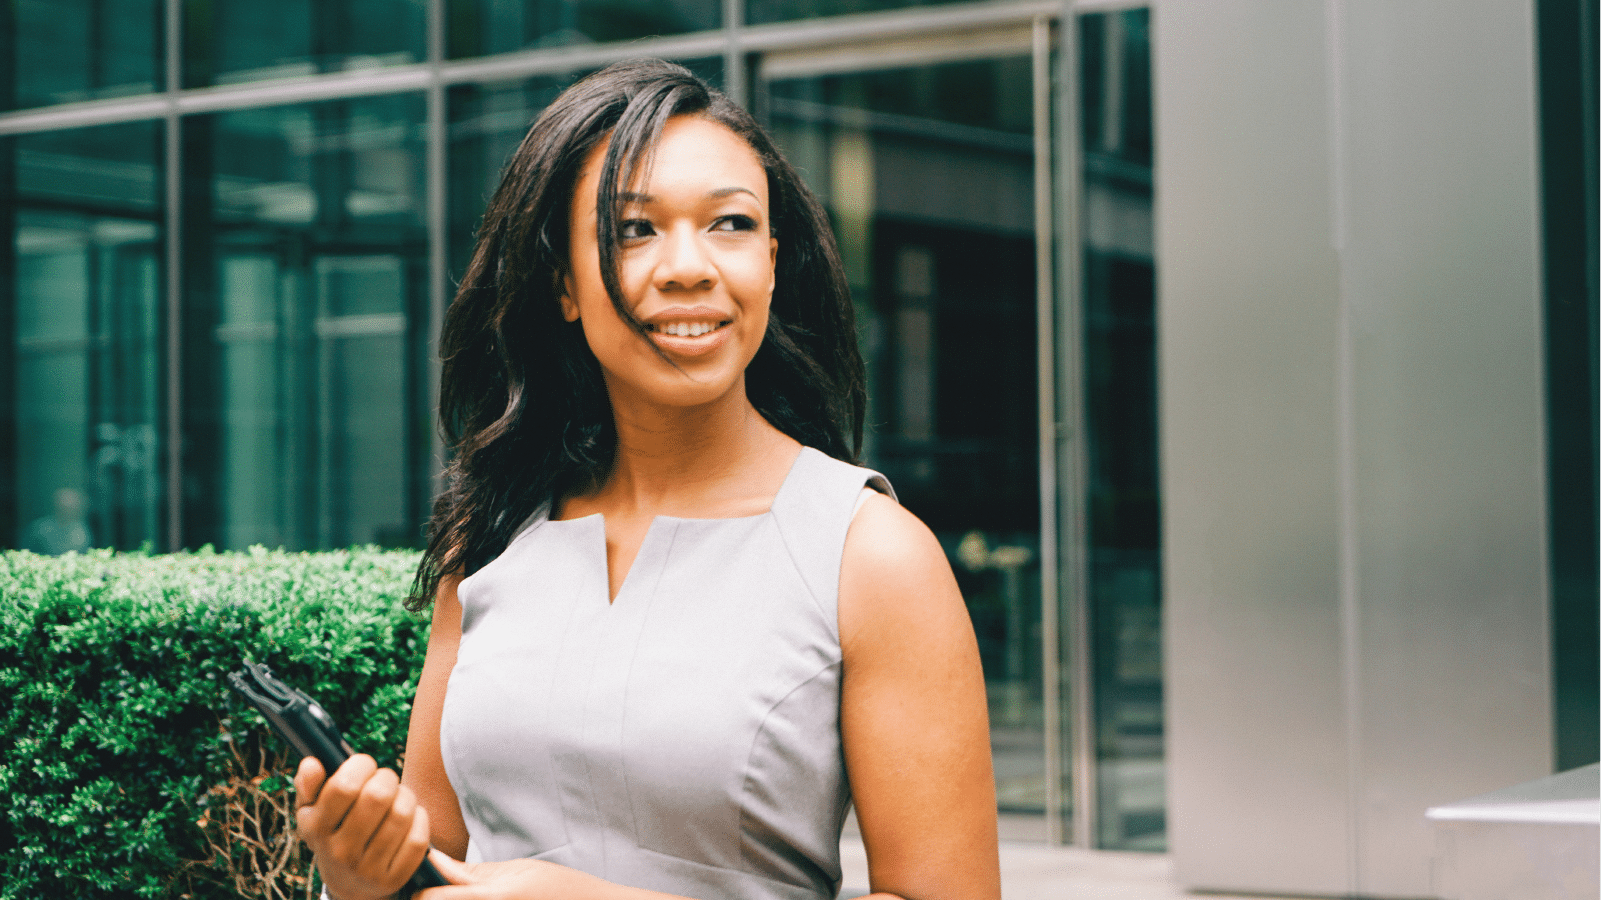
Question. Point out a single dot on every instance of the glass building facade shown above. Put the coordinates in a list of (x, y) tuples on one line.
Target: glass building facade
[(233, 227), (229, 230)]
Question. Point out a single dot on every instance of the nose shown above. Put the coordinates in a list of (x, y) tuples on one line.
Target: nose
[(685, 262)]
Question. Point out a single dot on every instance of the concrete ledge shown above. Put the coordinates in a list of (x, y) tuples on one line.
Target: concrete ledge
[(1541, 839), (1038, 870)]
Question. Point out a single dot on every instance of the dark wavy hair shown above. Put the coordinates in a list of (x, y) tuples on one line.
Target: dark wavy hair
[(522, 405)]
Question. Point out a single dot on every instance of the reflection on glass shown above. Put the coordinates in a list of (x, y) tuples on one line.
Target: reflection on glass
[(1567, 35), (85, 230), (304, 420), (762, 11), (486, 123), (61, 51), (1120, 405), (927, 174), (228, 41), (481, 27)]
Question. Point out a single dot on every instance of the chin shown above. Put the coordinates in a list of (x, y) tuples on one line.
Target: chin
[(701, 394), (678, 390)]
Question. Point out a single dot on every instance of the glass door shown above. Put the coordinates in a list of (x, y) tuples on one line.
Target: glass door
[(84, 345), (306, 420), (1122, 754), (927, 168)]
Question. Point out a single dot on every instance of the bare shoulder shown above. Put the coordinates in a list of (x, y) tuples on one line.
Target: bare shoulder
[(894, 576), (913, 716)]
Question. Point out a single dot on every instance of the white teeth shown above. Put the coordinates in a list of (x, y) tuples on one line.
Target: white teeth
[(688, 329)]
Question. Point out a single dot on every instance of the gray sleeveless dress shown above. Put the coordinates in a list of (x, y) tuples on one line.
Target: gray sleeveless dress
[(683, 738)]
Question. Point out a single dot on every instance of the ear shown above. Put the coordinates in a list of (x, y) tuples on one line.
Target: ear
[(772, 282), (569, 307)]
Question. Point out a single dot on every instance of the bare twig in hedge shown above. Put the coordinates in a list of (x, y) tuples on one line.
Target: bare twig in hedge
[(248, 826)]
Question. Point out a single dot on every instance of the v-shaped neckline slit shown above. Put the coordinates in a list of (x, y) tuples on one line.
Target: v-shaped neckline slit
[(650, 530)]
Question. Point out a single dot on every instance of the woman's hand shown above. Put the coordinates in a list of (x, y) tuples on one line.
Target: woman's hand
[(363, 826), (523, 878)]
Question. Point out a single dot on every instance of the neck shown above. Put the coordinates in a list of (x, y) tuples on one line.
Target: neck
[(697, 460)]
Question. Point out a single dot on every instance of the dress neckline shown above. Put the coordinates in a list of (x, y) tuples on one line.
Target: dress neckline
[(784, 487), (642, 561)]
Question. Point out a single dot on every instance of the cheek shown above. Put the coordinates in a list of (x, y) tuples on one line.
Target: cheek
[(613, 345), (604, 328), (754, 277)]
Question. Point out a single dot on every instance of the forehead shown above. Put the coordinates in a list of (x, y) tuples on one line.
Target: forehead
[(693, 155)]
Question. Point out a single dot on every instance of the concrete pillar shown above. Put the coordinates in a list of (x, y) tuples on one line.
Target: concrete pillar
[(1350, 355)]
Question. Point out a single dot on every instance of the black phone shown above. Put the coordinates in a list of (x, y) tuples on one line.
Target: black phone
[(303, 723)]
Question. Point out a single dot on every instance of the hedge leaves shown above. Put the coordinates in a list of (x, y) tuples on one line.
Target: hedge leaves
[(120, 741)]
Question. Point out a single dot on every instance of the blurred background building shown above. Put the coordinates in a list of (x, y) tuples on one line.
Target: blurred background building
[(1242, 353)]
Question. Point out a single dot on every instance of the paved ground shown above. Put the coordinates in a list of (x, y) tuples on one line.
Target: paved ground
[(1034, 870)]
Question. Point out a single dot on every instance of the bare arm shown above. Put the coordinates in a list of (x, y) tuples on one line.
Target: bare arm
[(913, 713), (425, 765), (369, 828)]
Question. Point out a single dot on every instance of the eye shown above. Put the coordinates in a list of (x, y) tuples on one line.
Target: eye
[(634, 228), (734, 223)]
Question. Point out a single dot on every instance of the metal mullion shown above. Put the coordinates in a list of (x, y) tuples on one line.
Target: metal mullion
[(174, 276), (990, 42), (86, 114), (1590, 149), (1108, 6), (561, 60), (1071, 437), (1045, 304), (438, 277), (735, 83), (811, 33), (305, 89), (894, 24)]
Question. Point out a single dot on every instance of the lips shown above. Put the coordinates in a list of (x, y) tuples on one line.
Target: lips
[(689, 331)]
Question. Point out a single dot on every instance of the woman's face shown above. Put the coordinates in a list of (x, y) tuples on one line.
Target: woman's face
[(695, 263)]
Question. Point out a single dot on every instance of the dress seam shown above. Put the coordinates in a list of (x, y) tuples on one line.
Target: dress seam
[(756, 740)]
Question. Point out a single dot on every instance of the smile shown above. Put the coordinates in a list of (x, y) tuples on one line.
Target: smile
[(686, 329)]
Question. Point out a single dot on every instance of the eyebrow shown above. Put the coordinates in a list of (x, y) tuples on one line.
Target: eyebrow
[(719, 194)]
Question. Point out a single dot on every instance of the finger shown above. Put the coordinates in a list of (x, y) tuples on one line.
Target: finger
[(459, 874), (412, 848), (364, 818), (392, 832), (445, 892), (308, 781), (343, 789)]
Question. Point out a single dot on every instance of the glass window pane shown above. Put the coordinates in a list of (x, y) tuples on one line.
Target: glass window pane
[(227, 41), (305, 313), (1120, 409), (758, 12), (927, 175), (486, 123), (482, 27), (65, 50), (1568, 188), (85, 229)]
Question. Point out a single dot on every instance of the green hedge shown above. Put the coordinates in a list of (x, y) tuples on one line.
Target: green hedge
[(127, 765)]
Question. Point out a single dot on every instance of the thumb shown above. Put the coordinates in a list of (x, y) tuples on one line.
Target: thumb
[(454, 871), (308, 781)]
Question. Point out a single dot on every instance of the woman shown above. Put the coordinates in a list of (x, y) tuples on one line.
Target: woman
[(669, 623)]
